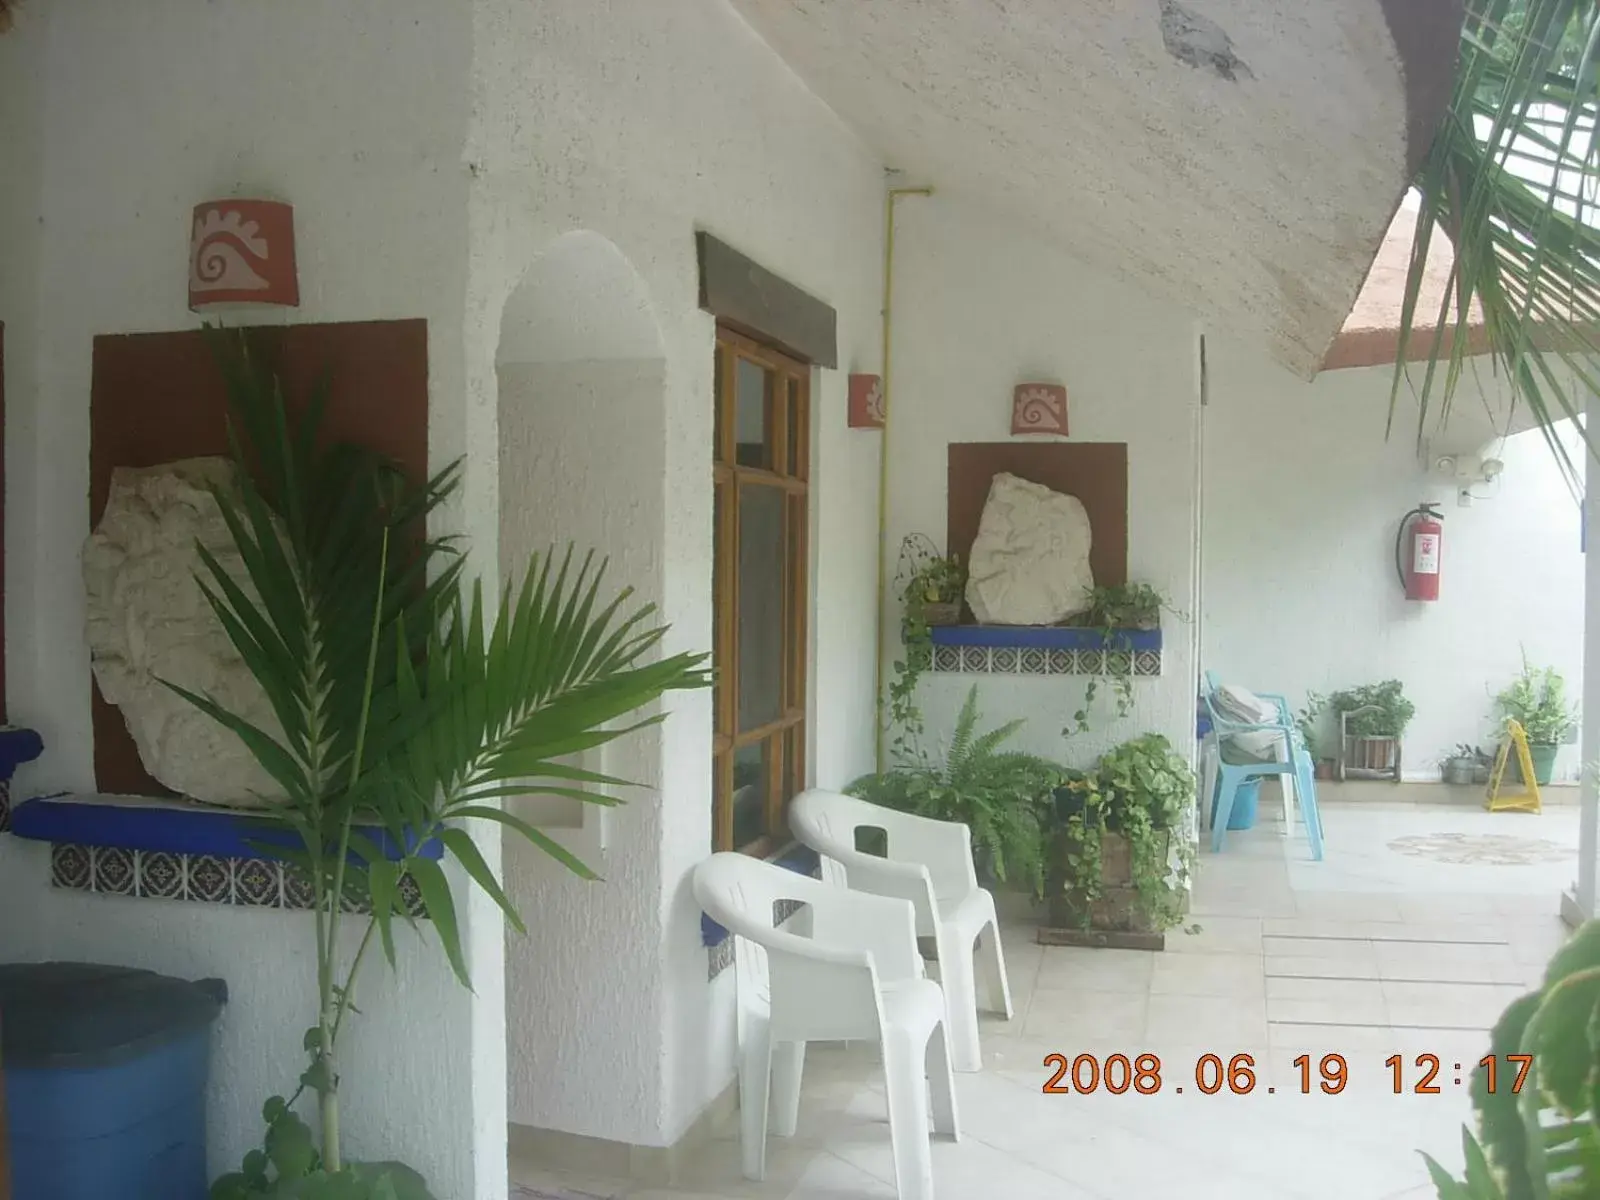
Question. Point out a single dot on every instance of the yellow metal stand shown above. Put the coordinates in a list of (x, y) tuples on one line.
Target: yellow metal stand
[(1526, 800)]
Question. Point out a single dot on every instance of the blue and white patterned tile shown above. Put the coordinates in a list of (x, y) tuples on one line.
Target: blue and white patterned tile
[(975, 659), (114, 871), (1089, 662), (1033, 662), (1063, 662), (1147, 663), (160, 875), (210, 879), (71, 866), (257, 883), (1118, 662), (1003, 660), (947, 658)]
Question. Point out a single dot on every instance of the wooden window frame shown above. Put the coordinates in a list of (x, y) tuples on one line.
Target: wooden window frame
[(787, 733)]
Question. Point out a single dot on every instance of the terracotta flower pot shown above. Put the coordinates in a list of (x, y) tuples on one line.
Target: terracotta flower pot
[(942, 614)]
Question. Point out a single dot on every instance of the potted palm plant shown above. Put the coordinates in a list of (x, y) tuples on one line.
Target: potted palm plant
[(1537, 700), (402, 701)]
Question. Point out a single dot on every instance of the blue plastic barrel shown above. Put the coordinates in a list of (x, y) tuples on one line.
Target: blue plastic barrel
[(1246, 800), (105, 1077)]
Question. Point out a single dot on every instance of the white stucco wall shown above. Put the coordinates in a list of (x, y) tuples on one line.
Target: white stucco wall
[(642, 122), (355, 113), (1303, 497), (980, 306)]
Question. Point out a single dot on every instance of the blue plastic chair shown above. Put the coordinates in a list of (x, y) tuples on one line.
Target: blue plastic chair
[(1227, 776)]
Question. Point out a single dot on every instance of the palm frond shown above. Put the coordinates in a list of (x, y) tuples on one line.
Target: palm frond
[(1512, 179)]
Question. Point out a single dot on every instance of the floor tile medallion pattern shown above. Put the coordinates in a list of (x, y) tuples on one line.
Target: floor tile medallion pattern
[(1489, 849)]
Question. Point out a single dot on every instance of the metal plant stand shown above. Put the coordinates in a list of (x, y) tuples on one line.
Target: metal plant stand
[(1366, 757)]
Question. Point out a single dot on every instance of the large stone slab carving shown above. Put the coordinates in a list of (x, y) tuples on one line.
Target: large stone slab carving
[(149, 621), (1030, 561)]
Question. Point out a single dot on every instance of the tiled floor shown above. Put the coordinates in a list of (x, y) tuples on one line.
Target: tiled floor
[(1386, 947)]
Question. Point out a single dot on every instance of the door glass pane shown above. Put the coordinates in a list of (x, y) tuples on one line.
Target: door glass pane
[(796, 444), (794, 762), (750, 783), (719, 839), (753, 415), (799, 599), (716, 406), (719, 685), (761, 640)]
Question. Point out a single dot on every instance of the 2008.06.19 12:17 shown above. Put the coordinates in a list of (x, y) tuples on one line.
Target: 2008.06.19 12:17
[(1142, 1074)]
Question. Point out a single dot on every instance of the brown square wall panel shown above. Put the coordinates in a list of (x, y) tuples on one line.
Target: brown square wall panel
[(159, 397), (1095, 472)]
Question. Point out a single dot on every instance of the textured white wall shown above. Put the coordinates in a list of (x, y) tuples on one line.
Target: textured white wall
[(580, 461), (356, 113), (1302, 500), (642, 122), (980, 306)]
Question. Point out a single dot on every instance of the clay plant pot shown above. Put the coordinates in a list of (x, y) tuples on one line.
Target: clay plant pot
[(942, 614), (1116, 908), (1325, 768), (1371, 753), (1544, 763)]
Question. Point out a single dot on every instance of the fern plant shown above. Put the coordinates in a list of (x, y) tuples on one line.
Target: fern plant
[(998, 794)]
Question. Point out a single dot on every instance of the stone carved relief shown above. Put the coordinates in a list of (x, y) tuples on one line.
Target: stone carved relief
[(1029, 564), (148, 621)]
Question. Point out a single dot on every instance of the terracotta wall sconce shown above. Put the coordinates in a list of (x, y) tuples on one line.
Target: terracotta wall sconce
[(242, 252), (866, 402), (1039, 408)]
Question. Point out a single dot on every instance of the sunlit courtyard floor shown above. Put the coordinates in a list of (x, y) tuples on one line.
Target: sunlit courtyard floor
[(1412, 935)]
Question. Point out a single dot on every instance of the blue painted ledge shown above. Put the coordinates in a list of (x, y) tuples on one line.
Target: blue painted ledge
[(802, 860), (1046, 637), (173, 826)]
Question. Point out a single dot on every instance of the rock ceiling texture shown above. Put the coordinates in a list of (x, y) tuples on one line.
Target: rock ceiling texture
[(1242, 158)]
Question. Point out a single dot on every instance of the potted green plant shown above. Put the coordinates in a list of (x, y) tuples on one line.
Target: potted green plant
[(998, 794), (1115, 834), (399, 705), (933, 584), (1537, 700), (1372, 718), (1308, 721), (1125, 606)]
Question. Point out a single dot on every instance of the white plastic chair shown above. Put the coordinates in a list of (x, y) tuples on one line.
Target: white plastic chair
[(857, 977), (929, 863)]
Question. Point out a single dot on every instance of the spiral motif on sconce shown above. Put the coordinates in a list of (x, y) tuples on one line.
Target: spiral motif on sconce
[(225, 249), (1039, 408)]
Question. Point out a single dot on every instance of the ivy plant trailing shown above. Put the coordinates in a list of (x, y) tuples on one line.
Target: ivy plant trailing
[(1140, 790), (396, 703), (923, 577), (1113, 611)]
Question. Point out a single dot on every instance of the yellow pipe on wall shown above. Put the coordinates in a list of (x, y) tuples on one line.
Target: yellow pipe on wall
[(883, 455)]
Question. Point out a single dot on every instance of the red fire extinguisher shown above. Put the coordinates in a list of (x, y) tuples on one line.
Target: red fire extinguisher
[(1418, 548)]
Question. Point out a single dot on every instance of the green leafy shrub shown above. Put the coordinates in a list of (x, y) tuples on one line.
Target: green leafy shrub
[(1387, 711)]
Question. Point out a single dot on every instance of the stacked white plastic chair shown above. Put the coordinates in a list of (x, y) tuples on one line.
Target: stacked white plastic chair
[(929, 863)]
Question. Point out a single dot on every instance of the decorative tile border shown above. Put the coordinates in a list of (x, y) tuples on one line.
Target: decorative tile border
[(1030, 660), (5, 805), (200, 878), (721, 954)]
